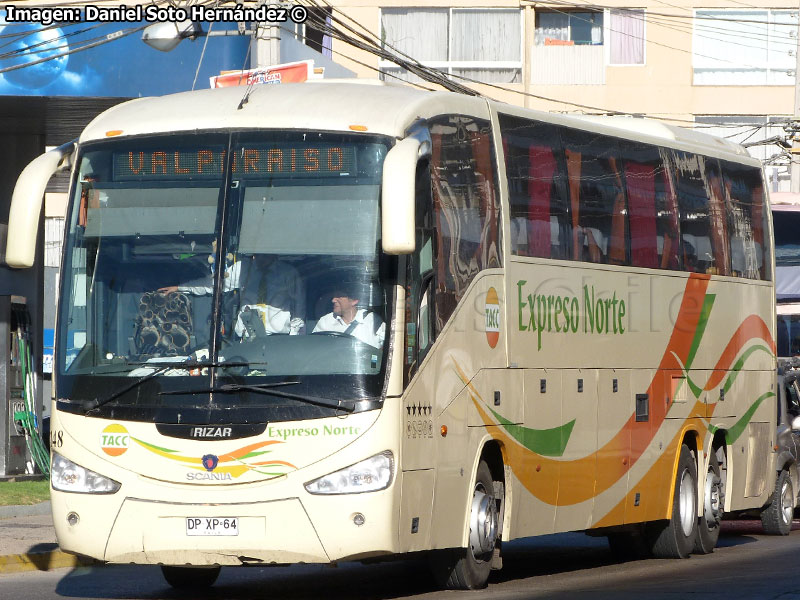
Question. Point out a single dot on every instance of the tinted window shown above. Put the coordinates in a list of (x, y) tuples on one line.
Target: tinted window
[(537, 189), (597, 198), (653, 207), (697, 253), (718, 214), (466, 207), (744, 193)]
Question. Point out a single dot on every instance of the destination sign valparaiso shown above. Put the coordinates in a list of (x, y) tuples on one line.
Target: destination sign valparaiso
[(250, 161)]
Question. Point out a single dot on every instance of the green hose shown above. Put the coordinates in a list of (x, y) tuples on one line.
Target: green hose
[(27, 417)]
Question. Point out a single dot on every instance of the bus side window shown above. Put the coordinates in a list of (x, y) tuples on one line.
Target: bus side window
[(420, 280), (425, 331), (653, 207), (539, 204), (744, 200), (720, 243), (597, 198), (466, 207), (695, 214)]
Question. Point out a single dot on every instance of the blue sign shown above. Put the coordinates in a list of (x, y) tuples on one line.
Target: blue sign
[(120, 65), (48, 342)]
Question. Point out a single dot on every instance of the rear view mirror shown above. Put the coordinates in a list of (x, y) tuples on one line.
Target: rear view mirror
[(26, 204), (397, 197)]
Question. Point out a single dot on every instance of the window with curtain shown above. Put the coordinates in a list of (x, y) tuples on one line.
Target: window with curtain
[(744, 195), (573, 28), (313, 36), (720, 243), (598, 205), (652, 206), (484, 44), (626, 36), (744, 47), (701, 251), (537, 188)]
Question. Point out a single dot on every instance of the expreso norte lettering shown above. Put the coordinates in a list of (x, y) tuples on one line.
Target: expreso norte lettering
[(562, 314)]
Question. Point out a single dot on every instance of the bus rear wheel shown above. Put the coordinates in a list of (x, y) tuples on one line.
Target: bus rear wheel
[(190, 578), (468, 568), (713, 500), (675, 538)]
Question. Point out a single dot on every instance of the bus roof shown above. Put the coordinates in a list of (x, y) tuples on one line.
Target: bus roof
[(335, 105), (332, 105)]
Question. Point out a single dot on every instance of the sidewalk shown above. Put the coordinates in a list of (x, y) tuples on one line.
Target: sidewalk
[(28, 540)]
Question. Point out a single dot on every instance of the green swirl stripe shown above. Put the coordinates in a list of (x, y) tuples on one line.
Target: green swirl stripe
[(738, 428), (545, 442)]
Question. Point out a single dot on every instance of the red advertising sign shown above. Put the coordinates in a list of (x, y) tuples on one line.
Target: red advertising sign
[(295, 72)]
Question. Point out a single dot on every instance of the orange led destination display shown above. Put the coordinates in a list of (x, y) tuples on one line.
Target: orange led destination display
[(252, 161)]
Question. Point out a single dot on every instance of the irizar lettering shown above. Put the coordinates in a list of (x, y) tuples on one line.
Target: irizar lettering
[(543, 313), (207, 432)]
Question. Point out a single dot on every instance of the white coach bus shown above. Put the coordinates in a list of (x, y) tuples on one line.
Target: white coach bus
[(342, 321)]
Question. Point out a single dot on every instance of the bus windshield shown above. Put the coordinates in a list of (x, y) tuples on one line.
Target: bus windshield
[(255, 249)]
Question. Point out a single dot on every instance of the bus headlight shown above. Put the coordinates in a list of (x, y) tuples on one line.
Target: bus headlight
[(66, 476), (369, 475)]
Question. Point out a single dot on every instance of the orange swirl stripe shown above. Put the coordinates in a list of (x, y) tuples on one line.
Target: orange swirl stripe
[(237, 454), (752, 327), (541, 475), (273, 462)]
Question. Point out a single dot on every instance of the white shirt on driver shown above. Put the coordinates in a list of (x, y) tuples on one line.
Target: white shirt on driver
[(366, 329)]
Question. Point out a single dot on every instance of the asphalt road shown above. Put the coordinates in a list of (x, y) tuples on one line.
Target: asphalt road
[(747, 565)]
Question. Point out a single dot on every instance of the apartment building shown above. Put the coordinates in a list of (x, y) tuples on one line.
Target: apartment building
[(723, 65)]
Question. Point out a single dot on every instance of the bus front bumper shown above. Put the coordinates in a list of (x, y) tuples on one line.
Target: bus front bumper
[(285, 531)]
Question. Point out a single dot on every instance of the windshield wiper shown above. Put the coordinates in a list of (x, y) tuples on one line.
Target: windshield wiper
[(269, 388), (163, 366)]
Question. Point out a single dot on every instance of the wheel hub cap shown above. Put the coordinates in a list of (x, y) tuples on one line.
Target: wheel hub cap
[(483, 523), (787, 502), (687, 503), (712, 507)]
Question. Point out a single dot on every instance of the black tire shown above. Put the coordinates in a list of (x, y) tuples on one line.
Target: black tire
[(675, 538), (469, 568), (776, 517), (708, 524), (190, 578)]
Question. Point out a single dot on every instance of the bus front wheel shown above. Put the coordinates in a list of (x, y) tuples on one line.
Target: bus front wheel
[(468, 568), (190, 578)]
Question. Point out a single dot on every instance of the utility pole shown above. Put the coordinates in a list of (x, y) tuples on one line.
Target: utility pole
[(267, 51), (266, 47)]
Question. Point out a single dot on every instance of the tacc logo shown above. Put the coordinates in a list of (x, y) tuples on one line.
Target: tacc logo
[(114, 440), (492, 317)]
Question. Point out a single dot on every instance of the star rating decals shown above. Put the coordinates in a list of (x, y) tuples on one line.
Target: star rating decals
[(419, 424), (420, 410)]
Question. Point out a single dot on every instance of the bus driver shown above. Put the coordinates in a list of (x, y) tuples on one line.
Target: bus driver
[(348, 319)]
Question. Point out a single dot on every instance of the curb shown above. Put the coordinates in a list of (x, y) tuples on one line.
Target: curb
[(30, 510), (41, 561)]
